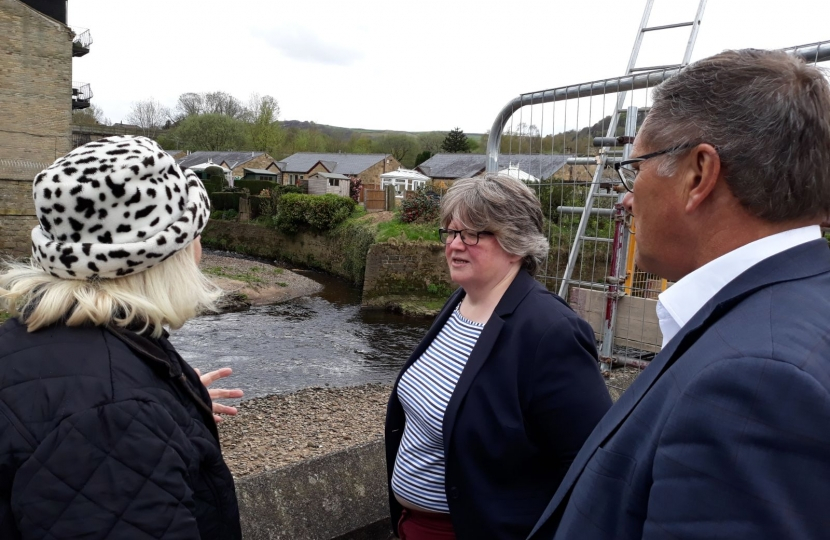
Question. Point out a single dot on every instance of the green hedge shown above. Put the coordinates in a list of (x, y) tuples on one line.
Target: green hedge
[(256, 186), (320, 212), (224, 201), (212, 186)]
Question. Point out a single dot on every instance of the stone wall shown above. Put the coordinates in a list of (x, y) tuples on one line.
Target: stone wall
[(406, 268), (36, 100), (371, 176), (320, 251), (340, 495), (259, 162)]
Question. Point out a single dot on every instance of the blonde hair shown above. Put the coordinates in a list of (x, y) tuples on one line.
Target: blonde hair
[(168, 294)]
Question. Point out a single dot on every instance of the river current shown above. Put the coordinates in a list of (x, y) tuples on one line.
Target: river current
[(319, 340)]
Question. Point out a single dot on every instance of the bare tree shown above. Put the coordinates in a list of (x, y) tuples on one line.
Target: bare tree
[(189, 104), (223, 103), (149, 115)]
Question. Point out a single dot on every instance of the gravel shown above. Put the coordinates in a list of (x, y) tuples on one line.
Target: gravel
[(279, 430)]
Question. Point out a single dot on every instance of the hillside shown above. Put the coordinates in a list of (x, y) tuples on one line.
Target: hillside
[(344, 134)]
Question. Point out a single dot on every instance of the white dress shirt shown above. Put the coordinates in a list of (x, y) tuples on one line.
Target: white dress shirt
[(679, 303)]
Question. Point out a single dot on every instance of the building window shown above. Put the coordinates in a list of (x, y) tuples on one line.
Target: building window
[(334, 182)]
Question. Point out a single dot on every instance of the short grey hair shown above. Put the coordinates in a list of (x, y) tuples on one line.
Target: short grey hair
[(504, 206), (768, 115)]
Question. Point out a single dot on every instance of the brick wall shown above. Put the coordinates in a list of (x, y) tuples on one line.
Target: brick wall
[(36, 100)]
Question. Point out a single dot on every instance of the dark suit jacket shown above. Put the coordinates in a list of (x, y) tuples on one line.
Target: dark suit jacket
[(527, 399), (727, 433)]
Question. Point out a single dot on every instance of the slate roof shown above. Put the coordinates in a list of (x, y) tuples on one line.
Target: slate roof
[(468, 165), (233, 159), (261, 171), (332, 175), (302, 162)]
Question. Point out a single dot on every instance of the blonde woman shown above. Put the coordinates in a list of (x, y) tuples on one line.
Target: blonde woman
[(105, 431)]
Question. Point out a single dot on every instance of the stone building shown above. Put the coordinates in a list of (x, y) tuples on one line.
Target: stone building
[(36, 98), (368, 167), (237, 162)]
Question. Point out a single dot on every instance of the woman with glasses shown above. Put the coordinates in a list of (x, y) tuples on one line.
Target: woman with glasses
[(495, 402)]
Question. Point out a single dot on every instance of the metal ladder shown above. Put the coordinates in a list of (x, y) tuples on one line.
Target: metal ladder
[(616, 279)]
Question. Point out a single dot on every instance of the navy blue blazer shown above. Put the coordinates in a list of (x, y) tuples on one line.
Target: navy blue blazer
[(726, 435), (528, 397)]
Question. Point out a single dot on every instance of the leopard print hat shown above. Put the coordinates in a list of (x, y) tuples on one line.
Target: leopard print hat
[(115, 207)]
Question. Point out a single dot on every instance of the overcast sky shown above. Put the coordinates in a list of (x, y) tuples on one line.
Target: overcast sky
[(414, 66)]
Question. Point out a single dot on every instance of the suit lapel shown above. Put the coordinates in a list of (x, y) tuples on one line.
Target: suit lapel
[(799, 262), (522, 284)]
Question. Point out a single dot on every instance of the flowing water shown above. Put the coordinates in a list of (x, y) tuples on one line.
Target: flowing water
[(319, 340)]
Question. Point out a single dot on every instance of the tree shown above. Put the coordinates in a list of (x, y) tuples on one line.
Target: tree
[(223, 103), (189, 104), (91, 116), (399, 145), (431, 142), (423, 156), (149, 115), (455, 142), (263, 112), (212, 132)]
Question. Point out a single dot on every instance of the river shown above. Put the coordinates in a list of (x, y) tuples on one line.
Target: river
[(319, 340)]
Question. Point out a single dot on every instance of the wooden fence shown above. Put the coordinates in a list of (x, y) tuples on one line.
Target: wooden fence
[(375, 200)]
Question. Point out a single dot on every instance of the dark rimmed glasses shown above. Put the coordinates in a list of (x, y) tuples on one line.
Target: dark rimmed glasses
[(628, 174), (468, 237)]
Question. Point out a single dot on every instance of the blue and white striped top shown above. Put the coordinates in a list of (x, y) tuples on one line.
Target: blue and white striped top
[(424, 391)]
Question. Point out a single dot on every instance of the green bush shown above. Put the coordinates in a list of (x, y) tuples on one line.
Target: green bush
[(424, 207), (255, 186), (224, 201), (260, 204), (321, 212), (212, 186), (228, 215)]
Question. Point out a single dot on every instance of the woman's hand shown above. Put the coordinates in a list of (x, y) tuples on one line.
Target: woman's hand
[(220, 393)]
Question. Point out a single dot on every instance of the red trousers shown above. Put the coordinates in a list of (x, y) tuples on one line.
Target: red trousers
[(415, 525)]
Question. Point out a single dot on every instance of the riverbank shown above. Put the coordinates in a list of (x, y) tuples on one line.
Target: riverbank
[(249, 282)]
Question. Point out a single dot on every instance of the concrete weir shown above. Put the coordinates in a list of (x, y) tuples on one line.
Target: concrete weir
[(338, 496)]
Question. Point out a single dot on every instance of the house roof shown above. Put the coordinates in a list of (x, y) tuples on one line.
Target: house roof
[(205, 165), (261, 171), (232, 159), (468, 165), (331, 175), (403, 174), (302, 162)]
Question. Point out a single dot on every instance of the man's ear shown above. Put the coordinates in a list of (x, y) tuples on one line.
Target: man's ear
[(703, 174)]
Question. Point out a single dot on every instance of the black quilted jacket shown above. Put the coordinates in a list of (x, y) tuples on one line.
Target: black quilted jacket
[(107, 434)]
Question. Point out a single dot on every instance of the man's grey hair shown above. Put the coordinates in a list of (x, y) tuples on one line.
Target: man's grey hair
[(768, 115), (504, 206)]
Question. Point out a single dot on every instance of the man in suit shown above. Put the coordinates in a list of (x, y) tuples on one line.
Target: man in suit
[(727, 433)]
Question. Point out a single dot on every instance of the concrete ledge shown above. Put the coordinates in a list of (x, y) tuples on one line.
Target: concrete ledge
[(339, 495)]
